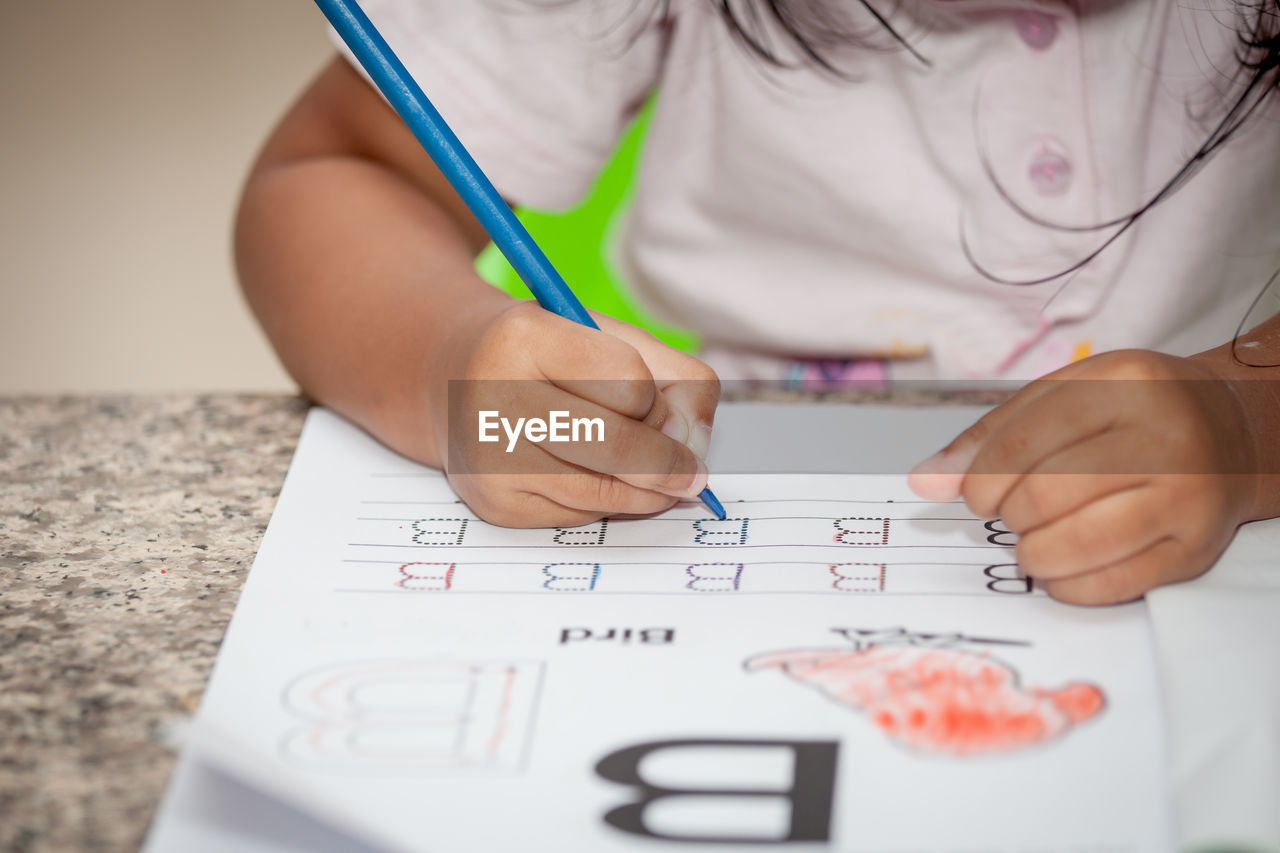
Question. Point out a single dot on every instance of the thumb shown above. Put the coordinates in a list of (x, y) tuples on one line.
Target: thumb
[(694, 402), (689, 390)]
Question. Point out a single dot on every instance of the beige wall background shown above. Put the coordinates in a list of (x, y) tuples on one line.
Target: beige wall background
[(127, 127)]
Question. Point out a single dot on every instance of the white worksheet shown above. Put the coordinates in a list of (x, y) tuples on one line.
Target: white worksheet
[(837, 666)]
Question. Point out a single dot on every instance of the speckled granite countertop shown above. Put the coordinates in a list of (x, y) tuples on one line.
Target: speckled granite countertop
[(126, 528), (127, 525)]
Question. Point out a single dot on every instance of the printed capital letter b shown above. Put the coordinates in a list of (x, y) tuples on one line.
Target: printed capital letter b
[(809, 790)]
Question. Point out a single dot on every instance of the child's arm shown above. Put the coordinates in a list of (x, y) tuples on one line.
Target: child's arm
[(357, 258), (1121, 485)]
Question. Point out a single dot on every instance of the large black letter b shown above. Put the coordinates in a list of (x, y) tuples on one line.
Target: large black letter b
[(811, 793)]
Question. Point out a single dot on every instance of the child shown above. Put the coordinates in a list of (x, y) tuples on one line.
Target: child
[(954, 188)]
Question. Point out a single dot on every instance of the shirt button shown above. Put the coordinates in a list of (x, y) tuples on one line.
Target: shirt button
[(1050, 171), (1037, 29)]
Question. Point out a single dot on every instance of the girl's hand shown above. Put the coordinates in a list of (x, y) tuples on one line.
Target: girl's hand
[(1119, 473), (518, 360)]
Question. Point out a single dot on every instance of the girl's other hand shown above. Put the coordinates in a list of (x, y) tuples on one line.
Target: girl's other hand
[(1118, 473)]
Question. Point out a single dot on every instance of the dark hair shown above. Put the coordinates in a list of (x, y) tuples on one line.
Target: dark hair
[(778, 31), (814, 29), (774, 30)]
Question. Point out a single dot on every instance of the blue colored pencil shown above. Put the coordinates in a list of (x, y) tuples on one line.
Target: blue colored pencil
[(451, 158)]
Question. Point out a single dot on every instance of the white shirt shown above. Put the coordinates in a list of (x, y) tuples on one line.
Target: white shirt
[(786, 214)]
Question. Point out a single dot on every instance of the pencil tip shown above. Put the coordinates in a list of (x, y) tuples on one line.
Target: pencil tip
[(713, 504)]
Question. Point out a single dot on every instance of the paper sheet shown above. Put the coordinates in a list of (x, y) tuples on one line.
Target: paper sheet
[(839, 664), (1219, 655)]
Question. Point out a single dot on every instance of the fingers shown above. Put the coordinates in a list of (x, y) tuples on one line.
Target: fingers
[(1065, 481), (627, 370), (593, 365), (693, 410), (665, 363), (615, 370), (1115, 482), (1128, 579), (637, 454), (1106, 531), (604, 495), (1117, 545), (941, 476), (634, 453), (1063, 417), (689, 389), (574, 435), (565, 500)]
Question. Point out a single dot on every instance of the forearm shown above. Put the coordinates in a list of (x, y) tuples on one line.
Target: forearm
[(1258, 391), (357, 280), (358, 258)]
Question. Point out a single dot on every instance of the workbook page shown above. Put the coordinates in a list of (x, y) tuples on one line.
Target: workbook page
[(837, 664)]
